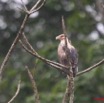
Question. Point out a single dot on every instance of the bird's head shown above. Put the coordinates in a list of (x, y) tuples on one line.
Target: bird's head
[(60, 37)]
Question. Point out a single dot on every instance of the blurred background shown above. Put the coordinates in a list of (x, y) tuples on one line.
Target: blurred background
[(85, 27)]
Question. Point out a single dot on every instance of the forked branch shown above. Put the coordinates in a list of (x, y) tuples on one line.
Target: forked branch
[(51, 63), (56, 65), (34, 8)]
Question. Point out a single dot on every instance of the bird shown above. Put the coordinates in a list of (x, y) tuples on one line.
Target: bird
[(67, 53)]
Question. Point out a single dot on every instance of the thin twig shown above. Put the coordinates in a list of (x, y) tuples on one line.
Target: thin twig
[(64, 30), (34, 7), (25, 8), (91, 68), (21, 9), (63, 26), (28, 44), (37, 100), (38, 7), (16, 93)]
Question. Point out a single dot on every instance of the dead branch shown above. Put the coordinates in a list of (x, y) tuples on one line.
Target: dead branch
[(24, 6), (18, 36), (34, 86), (13, 45), (63, 26), (54, 64), (64, 30), (69, 93), (70, 82), (37, 8), (24, 38), (34, 51), (91, 68), (16, 93), (51, 63)]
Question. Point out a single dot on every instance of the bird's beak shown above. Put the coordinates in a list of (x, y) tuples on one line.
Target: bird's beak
[(57, 37)]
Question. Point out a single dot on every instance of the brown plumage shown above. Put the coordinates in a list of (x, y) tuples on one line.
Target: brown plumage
[(67, 55)]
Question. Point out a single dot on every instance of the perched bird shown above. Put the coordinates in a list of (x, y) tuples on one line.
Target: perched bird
[(67, 53)]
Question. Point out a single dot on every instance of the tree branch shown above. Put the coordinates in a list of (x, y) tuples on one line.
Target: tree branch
[(37, 8), (69, 80), (64, 30), (34, 51), (18, 36), (24, 38), (59, 68), (91, 68), (25, 8), (15, 95), (69, 93), (54, 64), (34, 86), (51, 63), (13, 45)]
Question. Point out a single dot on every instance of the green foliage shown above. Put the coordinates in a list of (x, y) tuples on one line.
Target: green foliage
[(41, 30)]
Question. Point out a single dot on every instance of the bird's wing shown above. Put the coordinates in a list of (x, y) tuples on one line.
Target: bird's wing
[(72, 55)]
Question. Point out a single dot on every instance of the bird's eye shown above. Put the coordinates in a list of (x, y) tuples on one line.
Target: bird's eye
[(62, 36)]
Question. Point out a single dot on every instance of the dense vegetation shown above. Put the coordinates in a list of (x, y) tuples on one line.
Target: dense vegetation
[(84, 20)]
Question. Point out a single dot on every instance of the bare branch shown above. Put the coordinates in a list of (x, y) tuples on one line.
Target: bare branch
[(51, 63), (34, 52), (69, 93), (17, 37), (91, 68), (35, 6), (25, 8), (13, 45), (15, 95), (27, 43), (21, 9), (34, 86), (63, 26), (64, 30), (38, 7), (55, 64)]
